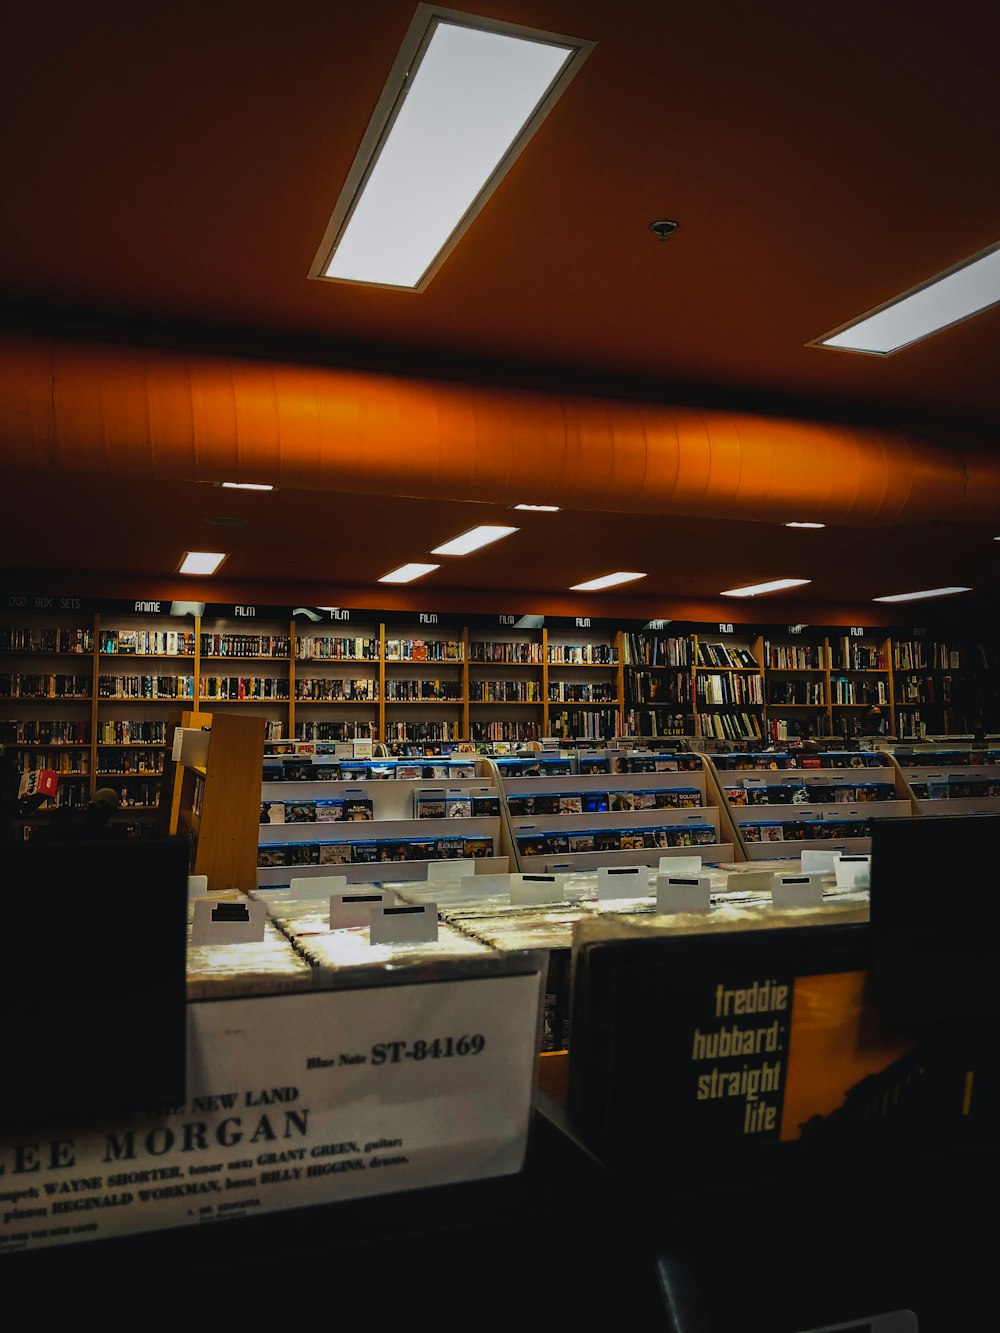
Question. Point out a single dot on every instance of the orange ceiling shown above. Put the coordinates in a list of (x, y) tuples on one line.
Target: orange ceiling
[(170, 168)]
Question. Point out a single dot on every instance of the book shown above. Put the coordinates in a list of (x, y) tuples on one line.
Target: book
[(334, 853), (272, 812), (300, 812), (357, 808), (327, 811)]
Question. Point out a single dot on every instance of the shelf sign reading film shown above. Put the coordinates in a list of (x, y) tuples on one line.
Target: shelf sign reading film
[(295, 1100)]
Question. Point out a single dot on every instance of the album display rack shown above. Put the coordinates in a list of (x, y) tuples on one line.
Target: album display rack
[(945, 780)]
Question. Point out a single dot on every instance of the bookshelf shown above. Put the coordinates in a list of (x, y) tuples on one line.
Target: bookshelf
[(583, 683), (797, 676), (216, 802), (381, 821), (728, 686), (658, 675), (610, 807), (507, 671), (785, 803), (337, 682)]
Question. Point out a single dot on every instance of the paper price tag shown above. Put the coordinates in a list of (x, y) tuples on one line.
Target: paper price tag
[(853, 872), (404, 925), (683, 893), (444, 871), (621, 882), (797, 891), (535, 890), (355, 909), (819, 863), (680, 865), (484, 886), (319, 886), (228, 923)]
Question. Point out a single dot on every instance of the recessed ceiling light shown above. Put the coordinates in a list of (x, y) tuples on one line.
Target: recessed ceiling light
[(605, 581), (545, 509), (805, 525), (243, 486), (919, 596), (936, 304), (407, 573), (755, 589), (200, 562), (473, 540), (462, 100)]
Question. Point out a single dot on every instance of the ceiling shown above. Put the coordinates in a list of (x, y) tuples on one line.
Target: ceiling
[(174, 166)]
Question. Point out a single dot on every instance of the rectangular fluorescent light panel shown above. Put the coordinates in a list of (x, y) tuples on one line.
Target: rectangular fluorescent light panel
[(464, 96), (919, 596), (407, 573), (473, 540), (605, 581), (540, 509), (201, 562), (952, 296), (755, 589), (244, 486), (805, 525)]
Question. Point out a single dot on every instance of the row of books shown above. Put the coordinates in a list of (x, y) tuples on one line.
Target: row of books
[(733, 689), (643, 687), (372, 850), (601, 802), (145, 687), (797, 657), (37, 686), (920, 654), (952, 789), (57, 761), (245, 645), (849, 655), (613, 762), (596, 693), (800, 693), (815, 793), (639, 722), (806, 830), (352, 809), (422, 731), (19, 640), (328, 648), (788, 729), (505, 691), (586, 726), (799, 759), (657, 650), (138, 791), (122, 763), (243, 687), (506, 732), (58, 731), (484, 650), (454, 805), (945, 758), (730, 726), (725, 655), (415, 691), (583, 654), (849, 692), (129, 732), (329, 689), (304, 769), (153, 643), (615, 840), (424, 650), (335, 731), (923, 690)]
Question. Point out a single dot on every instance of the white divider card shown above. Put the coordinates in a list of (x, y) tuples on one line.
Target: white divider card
[(295, 1100), (754, 782), (439, 872), (319, 887), (228, 923), (680, 865), (819, 863), (535, 890), (853, 872), (404, 925), (797, 891), (622, 882), (683, 893), (355, 909), (484, 886), (197, 886)]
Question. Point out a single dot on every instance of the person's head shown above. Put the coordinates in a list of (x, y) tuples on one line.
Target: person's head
[(104, 803)]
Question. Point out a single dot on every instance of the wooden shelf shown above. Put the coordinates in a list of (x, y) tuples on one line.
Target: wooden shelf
[(421, 703), (49, 745), (507, 703), (583, 666), (147, 657), (46, 699), (329, 703), (132, 745), (212, 703)]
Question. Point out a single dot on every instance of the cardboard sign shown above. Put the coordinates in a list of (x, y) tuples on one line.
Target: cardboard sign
[(683, 893), (228, 922), (536, 890), (797, 891), (622, 882), (355, 909), (404, 925)]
